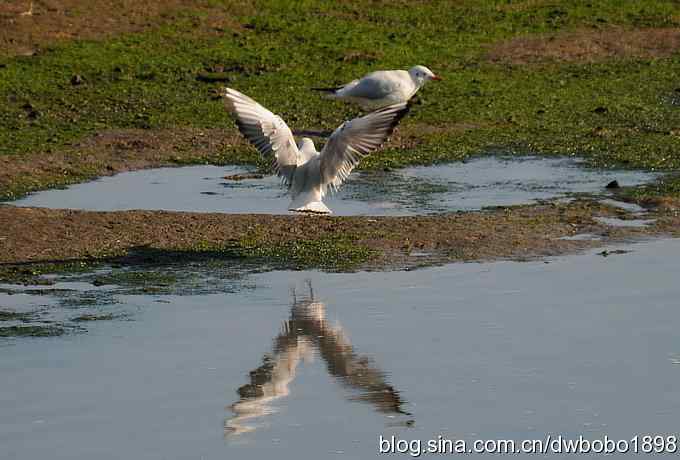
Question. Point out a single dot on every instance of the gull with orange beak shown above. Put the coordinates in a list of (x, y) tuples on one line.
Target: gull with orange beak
[(382, 88)]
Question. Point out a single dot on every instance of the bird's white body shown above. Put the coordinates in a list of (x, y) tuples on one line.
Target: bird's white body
[(310, 174), (307, 190), (383, 87), (386, 86)]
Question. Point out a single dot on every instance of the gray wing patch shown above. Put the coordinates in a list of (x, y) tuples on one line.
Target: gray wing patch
[(370, 88)]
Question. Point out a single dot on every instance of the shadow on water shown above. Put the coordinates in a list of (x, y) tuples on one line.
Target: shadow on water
[(305, 333)]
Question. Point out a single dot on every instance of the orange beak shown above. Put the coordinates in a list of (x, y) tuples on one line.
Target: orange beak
[(437, 77)]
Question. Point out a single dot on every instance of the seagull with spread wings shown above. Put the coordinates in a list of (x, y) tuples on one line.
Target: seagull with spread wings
[(308, 174)]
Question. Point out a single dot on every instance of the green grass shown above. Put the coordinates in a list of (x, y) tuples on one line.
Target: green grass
[(336, 252), (135, 279), (331, 253), (32, 274), (149, 80)]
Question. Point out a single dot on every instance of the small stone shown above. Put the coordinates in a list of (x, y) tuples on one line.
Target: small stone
[(613, 184), (607, 253)]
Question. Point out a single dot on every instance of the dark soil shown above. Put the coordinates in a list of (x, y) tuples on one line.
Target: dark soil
[(523, 232)]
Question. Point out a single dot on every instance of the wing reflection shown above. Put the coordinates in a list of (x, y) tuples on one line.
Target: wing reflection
[(305, 332)]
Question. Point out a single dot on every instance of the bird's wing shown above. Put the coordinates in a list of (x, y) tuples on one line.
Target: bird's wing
[(266, 131), (372, 86), (355, 139)]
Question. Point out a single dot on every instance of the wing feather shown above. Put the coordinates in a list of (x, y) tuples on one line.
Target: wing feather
[(368, 87), (266, 131), (355, 139)]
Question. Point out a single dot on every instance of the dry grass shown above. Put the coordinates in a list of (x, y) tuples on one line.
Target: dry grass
[(53, 21), (588, 46)]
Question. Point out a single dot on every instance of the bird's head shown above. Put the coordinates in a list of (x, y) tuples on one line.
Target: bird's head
[(421, 74)]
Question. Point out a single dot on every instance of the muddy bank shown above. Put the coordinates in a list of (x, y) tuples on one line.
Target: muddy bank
[(588, 46), (29, 26), (110, 152), (114, 151), (33, 235)]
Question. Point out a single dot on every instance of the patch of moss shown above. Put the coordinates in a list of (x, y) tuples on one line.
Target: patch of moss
[(331, 253), (32, 274), (667, 186), (94, 317), (133, 278), (32, 331), (79, 299), (7, 315), (335, 254)]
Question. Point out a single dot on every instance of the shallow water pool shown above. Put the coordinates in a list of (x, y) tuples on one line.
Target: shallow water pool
[(478, 183), (249, 365)]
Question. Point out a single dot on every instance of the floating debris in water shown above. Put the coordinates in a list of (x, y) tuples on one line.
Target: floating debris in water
[(94, 317), (607, 253)]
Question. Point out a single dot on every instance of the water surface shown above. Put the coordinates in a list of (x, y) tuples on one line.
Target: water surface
[(274, 364), (471, 185)]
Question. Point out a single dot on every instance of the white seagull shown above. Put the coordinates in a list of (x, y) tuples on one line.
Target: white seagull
[(382, 88), (309, 174)]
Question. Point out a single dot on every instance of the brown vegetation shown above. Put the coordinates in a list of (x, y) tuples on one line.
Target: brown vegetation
[(111, 152), (588, 46), (52, 21)]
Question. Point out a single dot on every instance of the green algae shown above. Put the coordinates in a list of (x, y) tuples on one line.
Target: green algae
[(616, 112)]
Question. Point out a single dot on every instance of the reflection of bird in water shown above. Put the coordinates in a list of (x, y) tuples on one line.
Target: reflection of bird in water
[(305, 331)]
